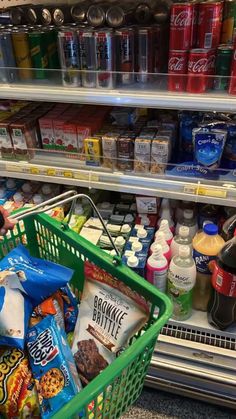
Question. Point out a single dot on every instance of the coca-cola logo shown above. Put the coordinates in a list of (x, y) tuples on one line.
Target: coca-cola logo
[(183, 19), (176, 64), (200, 66)]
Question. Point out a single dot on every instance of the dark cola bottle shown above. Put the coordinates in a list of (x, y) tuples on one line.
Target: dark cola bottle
[(222, 305)]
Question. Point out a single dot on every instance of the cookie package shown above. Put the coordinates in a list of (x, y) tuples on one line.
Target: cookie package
[(52, 365), (110, 314), (37, 278), (15, 311), (18, 395)]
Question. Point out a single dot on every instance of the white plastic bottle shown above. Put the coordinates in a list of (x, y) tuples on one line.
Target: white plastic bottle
[(164, 227), (160, 239), (181, 280), (156, 269), (188, 220), (182, 239), (166, 214)]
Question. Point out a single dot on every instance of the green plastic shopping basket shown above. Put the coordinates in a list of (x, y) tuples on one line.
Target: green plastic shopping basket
[(111, 393)]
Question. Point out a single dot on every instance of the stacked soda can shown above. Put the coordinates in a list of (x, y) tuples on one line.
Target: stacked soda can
[(201, 47)]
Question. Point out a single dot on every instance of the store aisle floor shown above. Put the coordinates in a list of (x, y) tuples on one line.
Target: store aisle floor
[(154, 404)]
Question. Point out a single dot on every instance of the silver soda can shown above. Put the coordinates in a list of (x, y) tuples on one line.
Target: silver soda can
[(105, 58), (145, 54), (87, 53), (8, 71), (126, 55), (68, 49)]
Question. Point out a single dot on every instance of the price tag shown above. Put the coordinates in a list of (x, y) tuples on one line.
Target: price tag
[(204, 191), (86, 176), (51, 172), (68, 173), (14, 168), (34, 170)]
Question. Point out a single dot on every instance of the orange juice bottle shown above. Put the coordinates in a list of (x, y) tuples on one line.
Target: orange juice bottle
[(206, 246)]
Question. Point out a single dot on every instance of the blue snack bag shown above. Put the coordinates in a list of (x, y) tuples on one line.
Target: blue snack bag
[(208, 147), (70, 308), (37, 278), (15, 312), (53, 366)]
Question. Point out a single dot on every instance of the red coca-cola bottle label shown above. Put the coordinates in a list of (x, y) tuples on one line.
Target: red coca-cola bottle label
[(224, 282)]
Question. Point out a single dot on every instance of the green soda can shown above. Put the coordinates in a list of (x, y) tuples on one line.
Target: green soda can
[(223, 64), (39, 54), (53, 58)]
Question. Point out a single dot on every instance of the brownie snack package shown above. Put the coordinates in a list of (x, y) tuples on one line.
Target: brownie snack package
[(110, 314)]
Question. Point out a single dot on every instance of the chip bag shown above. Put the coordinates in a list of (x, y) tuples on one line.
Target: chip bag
[(18, 395), (70, 308), (37, 278), (53, 305), (15, 311), (110, 314), (53, 366)]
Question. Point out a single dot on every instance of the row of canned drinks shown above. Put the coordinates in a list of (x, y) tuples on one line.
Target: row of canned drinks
[(87, 57)]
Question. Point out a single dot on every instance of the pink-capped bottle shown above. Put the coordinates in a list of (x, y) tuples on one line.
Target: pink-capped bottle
[(164, 227), (156, 269), (160, 240)]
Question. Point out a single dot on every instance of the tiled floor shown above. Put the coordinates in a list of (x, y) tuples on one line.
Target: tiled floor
[(155, 404)]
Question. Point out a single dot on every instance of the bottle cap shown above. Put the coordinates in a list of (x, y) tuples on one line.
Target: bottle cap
[(26, 187), (78, 210), (10, 183), (184, 251), (129, 218), (158, 252), (125, 228), (164, 224), (210, 229), (141, 233), (188, 214), (46, 189), (144, 220), (120, 241), (184, 231), (105, 205), (37, 199), (2, 192), (18, 197), (113, 252), (132, 261), (137, 246)]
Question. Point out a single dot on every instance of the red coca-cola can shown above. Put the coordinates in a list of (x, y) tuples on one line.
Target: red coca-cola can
[(209, 24), (232, 83), (177, 70), (194, 25), (197, 71), (181, 20), (211, 67)]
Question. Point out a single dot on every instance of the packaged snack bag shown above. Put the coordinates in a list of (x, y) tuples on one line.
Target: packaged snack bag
[(37, 278), (53, 305), (70, 308), (15, 311), (110, 314), (18, 395), (53, 366)]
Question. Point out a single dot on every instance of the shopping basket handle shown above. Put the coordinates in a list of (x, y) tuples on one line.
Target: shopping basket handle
[(61, 200)]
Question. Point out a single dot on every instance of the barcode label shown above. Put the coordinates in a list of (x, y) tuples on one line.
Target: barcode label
[(219, 281), (208, 40)]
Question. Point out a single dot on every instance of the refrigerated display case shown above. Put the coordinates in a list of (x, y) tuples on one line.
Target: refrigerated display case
[(191, 358)]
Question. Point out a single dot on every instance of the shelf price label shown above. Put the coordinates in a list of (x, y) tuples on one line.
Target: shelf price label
[(205, 191), (51, 172), (34, 170), (68, 174)]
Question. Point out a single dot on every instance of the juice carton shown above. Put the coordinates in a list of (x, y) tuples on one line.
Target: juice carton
[(70, 137), (144, 234), (93, 151), (83, 132), (136, 263), (91, 234), (140, 248), (24, 138)]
